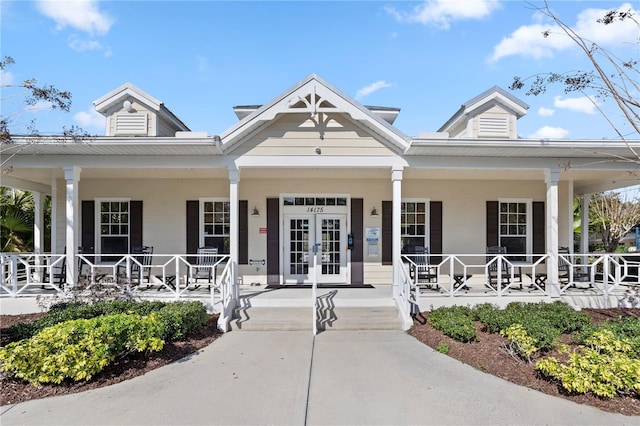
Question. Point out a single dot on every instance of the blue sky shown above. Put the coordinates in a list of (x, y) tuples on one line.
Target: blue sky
[(203, 57)]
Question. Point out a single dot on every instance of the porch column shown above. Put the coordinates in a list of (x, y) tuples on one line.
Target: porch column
[(234, 223), (54, 215), (396, 225), (570, 237), (584, 223), (38, 228), (71, 176), (552, 176)]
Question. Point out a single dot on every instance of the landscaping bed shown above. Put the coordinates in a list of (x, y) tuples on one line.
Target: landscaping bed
[(488, 354), (135, 364)]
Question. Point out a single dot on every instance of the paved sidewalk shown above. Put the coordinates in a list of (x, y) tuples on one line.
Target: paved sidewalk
[(290, 378)]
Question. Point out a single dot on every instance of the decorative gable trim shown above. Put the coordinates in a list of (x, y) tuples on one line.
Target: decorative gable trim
[(314, 96)]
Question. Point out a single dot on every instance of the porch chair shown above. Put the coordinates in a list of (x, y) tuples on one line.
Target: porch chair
[(422, 272), (492, 269), (204, 268), (60, 277), (144, 256), (564, 269)]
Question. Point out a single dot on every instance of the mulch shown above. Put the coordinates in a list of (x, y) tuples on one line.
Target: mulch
[(488, 355), (14, 391)]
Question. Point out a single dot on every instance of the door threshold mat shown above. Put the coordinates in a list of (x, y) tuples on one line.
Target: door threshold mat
[(345, 286)]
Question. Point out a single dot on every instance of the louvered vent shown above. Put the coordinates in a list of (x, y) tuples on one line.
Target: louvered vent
[(493, 126), (131, 124)]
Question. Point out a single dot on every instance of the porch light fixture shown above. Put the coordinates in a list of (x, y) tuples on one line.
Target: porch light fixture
[(374, 212), (255, 211)]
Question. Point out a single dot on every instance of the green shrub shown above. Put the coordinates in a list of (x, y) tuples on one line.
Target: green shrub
[(78, 349), (521, 343), (623, 328), (604, 366), (181, 318), (68, 311), (457, 322), (443, 348), (544, 322)]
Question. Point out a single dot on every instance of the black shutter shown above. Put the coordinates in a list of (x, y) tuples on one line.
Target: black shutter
[(135, 224), (193, 226), (357, 265), (435, 230), (273, 241), (492, 223), (88, 226), (387, 233), (539, 228), (243, 232)]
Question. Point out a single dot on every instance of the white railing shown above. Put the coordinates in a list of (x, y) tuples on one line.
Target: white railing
[(227, 292), (407, 301), (496, 275), (172, 273)]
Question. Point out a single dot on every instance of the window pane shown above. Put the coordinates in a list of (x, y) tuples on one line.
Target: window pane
[(422, 207)]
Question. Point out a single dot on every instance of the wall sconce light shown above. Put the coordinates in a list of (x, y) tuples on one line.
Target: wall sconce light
[(374, 212), (255, 212)]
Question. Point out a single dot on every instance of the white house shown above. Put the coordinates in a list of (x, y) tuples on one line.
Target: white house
[(315, 166)]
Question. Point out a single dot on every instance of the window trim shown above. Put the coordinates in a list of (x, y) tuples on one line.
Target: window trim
[(97, 234), (427, 219), (201, 202), (529, 226)]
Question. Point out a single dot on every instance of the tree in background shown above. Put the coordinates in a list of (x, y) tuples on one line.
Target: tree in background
[(611, 77), (613, 216), (31, 94)]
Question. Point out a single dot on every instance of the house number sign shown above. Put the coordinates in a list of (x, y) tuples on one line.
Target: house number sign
[(315, 209)]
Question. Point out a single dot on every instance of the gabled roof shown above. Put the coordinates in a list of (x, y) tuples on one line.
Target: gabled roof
[(495, 94), (311, 96), (127, 90)]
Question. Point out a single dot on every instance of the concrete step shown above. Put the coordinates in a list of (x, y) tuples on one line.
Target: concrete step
[(300, 318)]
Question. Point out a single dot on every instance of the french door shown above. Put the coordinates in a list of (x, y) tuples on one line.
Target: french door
[(327, 232)]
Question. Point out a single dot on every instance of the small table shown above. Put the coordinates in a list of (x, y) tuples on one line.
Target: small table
[(169, 280), (539, 279), (460, 280)]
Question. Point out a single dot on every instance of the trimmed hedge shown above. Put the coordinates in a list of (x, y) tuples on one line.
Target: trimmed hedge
[(78, 349), (544, 322), (61, 312), (457, 322)]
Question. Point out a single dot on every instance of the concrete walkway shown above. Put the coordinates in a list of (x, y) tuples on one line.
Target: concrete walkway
[(290, 378)]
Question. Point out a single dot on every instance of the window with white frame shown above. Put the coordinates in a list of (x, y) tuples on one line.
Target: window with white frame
[(413, 225), (215, 224), (113, 225), (514, 222)]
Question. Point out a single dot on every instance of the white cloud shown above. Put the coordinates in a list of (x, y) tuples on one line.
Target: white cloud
[(548, 132), (440, 13), (89, 119), (528, 40), (366, 91), (82, 15), (7, 78), (80, 45), (545, 112), (583, 104)]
